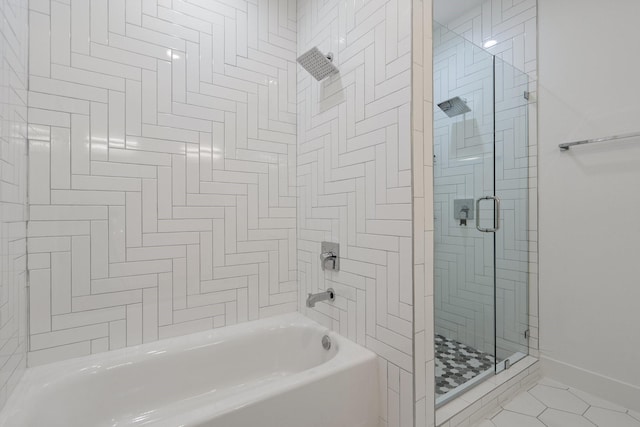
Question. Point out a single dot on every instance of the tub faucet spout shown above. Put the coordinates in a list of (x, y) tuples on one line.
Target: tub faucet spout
[(312, 299)]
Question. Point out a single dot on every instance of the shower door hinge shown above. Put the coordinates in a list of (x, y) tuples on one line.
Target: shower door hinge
[(526, 334), (527, 94)]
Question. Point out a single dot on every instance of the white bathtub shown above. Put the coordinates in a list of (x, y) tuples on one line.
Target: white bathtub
[(269, 373)]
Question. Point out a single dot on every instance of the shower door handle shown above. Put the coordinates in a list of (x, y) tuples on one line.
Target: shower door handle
[(496, 220)]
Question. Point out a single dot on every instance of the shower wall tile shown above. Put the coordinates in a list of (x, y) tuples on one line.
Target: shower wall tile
[(354, 184), (163, 170), (423, 227), (513, 25), (14, 56)]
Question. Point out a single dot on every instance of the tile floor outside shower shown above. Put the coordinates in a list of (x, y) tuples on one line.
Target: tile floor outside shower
[(457, 363), (552, 404)]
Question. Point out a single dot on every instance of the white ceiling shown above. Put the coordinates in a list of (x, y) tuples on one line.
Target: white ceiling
[(445, 11)]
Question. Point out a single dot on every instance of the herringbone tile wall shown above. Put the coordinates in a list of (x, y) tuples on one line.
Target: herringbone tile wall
[(163, 169), (354, 183), (511, 23), (173, 142), (13, 193)]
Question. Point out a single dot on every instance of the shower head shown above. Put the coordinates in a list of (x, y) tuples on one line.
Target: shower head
[(318, 65), (454, 107)]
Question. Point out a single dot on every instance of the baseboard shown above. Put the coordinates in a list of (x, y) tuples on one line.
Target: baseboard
[(615, 391)]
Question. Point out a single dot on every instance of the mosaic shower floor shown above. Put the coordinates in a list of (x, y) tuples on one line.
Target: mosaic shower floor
[(457, 363)]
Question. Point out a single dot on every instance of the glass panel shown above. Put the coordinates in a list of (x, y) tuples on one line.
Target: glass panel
[(512, 240), (463, 173)]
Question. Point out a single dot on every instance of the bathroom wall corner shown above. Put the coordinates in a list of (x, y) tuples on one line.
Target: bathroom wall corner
[(14, 38), (422, 175), (354, 184)]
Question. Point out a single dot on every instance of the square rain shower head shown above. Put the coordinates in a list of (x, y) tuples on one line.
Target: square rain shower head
[(454, 107), (317, 64)]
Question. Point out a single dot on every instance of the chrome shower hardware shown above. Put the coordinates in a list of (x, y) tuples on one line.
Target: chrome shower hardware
[(496, 219), (317, 64), (330, 256), (327, 295), (463, 210), (464, 215), (326, 342), (454, 106)]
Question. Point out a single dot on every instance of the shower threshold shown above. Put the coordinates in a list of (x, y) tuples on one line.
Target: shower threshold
[(478, 396), (442, 399)]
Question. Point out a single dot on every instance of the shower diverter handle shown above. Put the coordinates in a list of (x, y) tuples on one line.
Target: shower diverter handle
[(496, 220)]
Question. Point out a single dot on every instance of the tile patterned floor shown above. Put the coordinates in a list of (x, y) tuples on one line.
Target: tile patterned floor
[(457, 363), (551, 404)]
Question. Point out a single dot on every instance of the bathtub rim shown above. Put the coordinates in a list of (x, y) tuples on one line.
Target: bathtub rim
[(348, 354)]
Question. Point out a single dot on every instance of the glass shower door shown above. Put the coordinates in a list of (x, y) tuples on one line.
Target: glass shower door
[(481, 171), (512, 187), (463, 179)]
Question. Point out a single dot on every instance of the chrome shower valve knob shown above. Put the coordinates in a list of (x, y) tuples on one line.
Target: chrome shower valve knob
[(330, 256), (328, 260)]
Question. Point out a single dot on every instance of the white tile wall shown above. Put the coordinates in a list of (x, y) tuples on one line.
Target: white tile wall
[(512, 24), (354, 183), (423, 227), (163, 170), (13, 193), (167, 142)]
